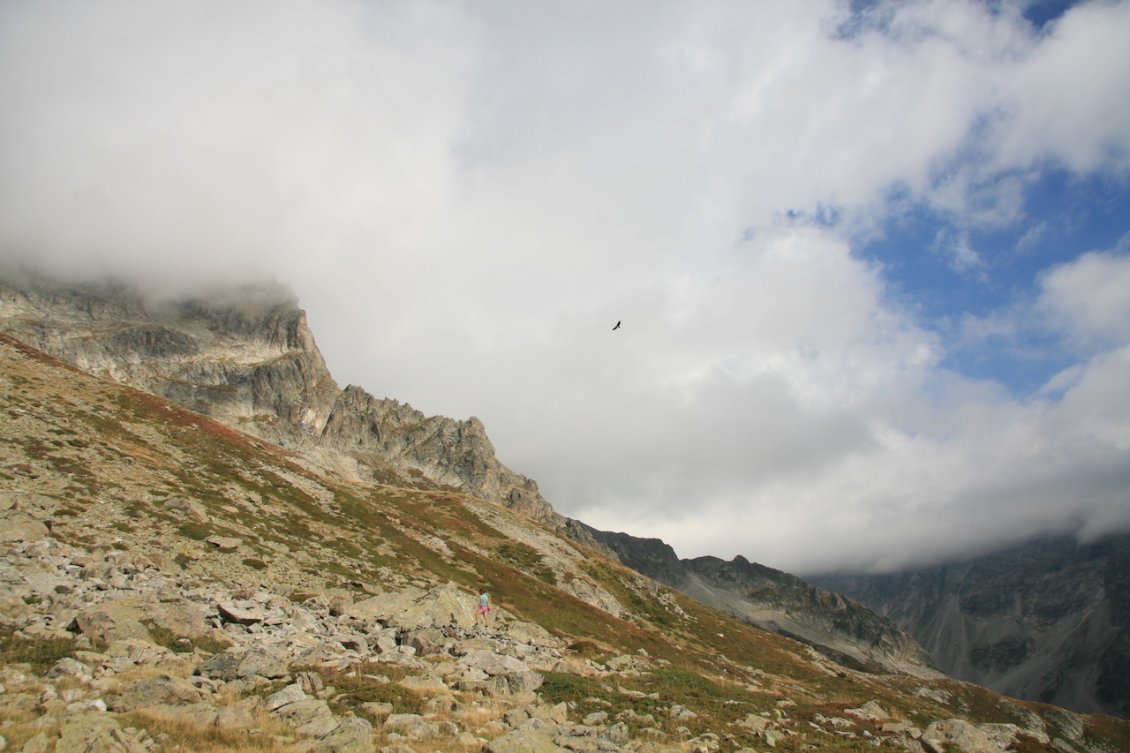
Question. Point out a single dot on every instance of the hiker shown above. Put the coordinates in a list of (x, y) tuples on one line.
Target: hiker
[(484, 608)]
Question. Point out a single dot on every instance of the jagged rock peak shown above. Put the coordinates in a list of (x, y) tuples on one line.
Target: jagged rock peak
[(245, 355)]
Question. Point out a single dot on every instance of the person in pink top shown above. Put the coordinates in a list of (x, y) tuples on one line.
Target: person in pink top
[(484, 608)]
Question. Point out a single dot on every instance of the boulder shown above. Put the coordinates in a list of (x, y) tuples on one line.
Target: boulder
[(869, 711), (493, 663), (68, 667), (524, 682), (943, 736), (241, 613), (412, 726), (532, 736), (353, 735), (180, 617), (154, 691), (236, 663), (110, 622), (441, 606), (530, 633), (225, 543), (137, 651), (384, 606), (19, 526), (190, 508), (94, 733), (288, 695), (311, 717)]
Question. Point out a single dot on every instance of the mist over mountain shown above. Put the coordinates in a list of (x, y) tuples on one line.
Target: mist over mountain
[(1047, 620)]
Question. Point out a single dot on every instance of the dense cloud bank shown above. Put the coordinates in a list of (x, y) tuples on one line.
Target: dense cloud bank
[(466, 197)]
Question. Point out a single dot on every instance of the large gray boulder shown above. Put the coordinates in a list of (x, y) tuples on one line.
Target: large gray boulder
[(154, 691), (241, 663), (352, 735), (950, 734), (493, 663)]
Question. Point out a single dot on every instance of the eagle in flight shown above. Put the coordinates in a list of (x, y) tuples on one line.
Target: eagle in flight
[(616, 327)]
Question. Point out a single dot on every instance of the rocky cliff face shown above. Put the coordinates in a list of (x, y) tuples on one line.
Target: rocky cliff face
[(246, 357), (840, 628), (1049, 620)]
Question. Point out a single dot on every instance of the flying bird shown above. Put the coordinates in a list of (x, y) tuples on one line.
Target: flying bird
[(616, 327)]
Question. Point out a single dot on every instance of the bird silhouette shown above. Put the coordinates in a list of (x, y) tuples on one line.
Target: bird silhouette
[(616, 327)]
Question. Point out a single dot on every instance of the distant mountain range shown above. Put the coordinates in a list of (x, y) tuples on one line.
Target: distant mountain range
[(1048, 620)]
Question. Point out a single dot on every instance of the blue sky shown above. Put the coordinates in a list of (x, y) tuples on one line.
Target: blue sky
[(1063, 216), (871, 259)]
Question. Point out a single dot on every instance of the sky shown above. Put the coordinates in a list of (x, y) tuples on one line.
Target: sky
[(871, 259)]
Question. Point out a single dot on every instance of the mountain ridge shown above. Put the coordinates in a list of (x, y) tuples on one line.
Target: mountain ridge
[(776, 601), (173, 585), (246, 356), (1047, 619)]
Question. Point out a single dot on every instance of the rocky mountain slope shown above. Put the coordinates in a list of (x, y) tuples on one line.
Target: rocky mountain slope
[(247, 358), (174, 585), (770, 599), (1047, 620)]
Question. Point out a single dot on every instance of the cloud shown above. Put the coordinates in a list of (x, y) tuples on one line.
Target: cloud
[(1060, 99), (1087, 298), (467, 196)]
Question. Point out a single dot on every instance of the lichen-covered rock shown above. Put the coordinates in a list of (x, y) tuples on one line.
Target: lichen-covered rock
[(532, 736), (154, 691), (493, 663), (943, 736), (237, 663), (352, 735), (110, 622)]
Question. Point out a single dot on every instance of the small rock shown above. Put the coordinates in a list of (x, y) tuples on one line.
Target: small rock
[(225, 543), (870, 710), (595, 718), (289, 694)]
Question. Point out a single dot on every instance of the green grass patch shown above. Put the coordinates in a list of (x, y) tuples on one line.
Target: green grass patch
[(527, 559), (371, 683), (564, 686), (183, 644), (40, 653), (179, 736), (195, 531)]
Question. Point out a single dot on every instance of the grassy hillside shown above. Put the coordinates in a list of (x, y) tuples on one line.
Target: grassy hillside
[(107, 469)]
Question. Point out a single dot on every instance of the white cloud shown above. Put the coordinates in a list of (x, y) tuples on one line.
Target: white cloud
[(467, 196), (1089, 299), (1064, 99)]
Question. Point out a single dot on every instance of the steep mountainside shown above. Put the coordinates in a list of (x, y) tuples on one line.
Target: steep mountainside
[(773, 600), (171, 585), (1049, 620), (247, 358)]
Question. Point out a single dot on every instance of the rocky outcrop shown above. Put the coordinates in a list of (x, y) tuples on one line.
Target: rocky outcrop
[(1048, 620), (245, 356), (449, 452), (841, 628)]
